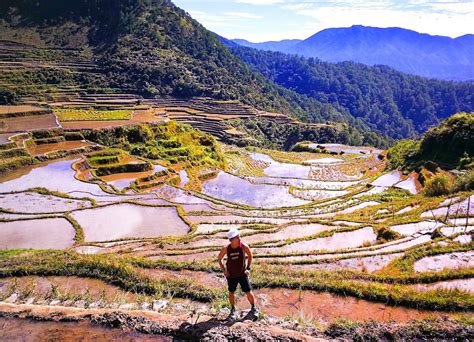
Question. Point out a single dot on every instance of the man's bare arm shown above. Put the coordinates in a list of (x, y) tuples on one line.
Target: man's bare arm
[(222, 253), (249, 255)]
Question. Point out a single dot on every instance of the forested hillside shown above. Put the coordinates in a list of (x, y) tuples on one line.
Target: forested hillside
[(147, 46), (389, 101)]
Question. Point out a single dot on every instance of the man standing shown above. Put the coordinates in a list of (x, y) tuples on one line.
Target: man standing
[(235, 270)]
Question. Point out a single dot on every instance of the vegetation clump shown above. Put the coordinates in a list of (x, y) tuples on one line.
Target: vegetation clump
[(448, 145), (170, 142)]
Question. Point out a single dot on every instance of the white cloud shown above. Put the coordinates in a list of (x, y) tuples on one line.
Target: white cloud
[(442, 18), (213, 22), (242, 15), (260, 2), (223, 19)]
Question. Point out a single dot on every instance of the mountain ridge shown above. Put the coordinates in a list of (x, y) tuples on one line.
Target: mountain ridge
[(422, 54)]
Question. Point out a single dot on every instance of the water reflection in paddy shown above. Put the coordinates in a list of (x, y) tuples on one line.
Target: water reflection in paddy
[(235, 189), (303, 183), (183, 175), (129, 221), (31, 202), (389, 179), (337, 148), (344, 240), (56, 176), (277, 169), (55, 233)]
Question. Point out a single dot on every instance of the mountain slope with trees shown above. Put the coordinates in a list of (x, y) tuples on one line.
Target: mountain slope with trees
[(404, 50), (389, 101)]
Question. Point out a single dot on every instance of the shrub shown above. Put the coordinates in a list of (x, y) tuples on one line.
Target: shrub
[(400, 155), (50, 140), (438, 185), (47, 133), (464, 182), (465, 162), (72, 136)]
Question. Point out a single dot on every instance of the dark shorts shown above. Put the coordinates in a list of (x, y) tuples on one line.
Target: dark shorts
[(242, 280)]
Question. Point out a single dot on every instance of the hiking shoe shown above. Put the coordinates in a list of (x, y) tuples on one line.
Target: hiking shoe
[(232, 315), (254, 311)]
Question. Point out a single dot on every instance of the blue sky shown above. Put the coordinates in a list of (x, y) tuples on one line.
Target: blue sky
[(262, 20)]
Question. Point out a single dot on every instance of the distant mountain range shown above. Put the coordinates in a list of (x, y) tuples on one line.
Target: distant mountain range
[(404, 50), (277, 46)]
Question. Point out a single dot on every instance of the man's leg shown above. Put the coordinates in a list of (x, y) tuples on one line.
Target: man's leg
[(247, 288), (232, 299), (250, 298), (232, 286)]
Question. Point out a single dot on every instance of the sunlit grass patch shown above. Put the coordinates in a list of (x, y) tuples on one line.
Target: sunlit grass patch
[(92, 114)]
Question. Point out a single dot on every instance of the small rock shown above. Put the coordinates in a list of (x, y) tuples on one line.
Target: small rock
[(55, 302), (68, 302), (225, 311), (158, 305), (12, 299), (96, 305), (286, 294), (145, 306), (30, 301), (80, 304)]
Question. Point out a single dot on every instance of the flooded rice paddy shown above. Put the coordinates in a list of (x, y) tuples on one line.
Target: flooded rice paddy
[(445, 261), (54, 176), (37, 150), (51, 233), (129, 221), (29, 330), (324, 307), (234, 189)]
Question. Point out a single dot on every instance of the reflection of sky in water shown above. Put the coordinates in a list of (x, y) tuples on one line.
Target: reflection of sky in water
[(346, 149), (235, 189), (324, 161), (277, 169), (184, 178), (130, 221), (387, 180), (57, 176), (54, 233), (408, 184)]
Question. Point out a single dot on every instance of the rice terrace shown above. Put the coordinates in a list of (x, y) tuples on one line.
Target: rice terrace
[(116, 200)]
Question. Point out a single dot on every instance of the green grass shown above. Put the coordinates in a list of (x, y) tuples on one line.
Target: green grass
[(112, 270), (91, 114)]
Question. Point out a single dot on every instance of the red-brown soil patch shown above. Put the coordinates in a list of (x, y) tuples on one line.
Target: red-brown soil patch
[(28, 123)]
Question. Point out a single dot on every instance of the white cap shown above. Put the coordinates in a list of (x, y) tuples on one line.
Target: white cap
[(233, 233)]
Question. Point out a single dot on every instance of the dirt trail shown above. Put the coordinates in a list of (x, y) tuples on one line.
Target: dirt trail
[(183, 327)]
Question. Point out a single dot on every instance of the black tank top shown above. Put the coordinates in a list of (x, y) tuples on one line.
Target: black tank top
[(235, 261)]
